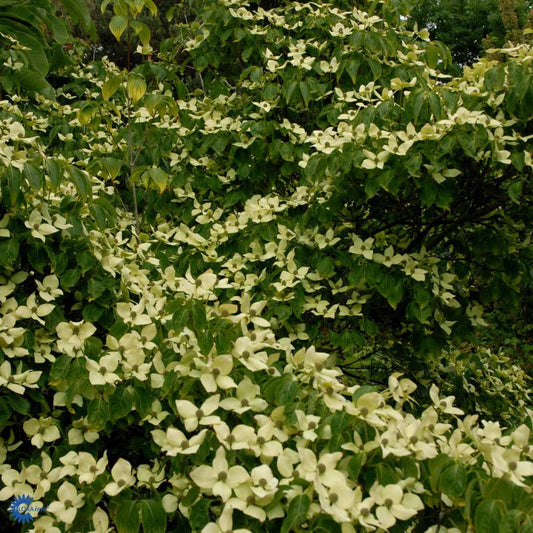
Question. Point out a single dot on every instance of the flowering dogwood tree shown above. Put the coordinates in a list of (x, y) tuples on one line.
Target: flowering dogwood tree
[(225, 303)]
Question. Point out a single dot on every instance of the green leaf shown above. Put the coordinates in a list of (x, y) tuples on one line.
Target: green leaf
[(205, 341), (200, 514), (288, 90), (495, 78), (159, 177), (510, 522), (338, 425), (432, 56), (199, 317), (339, 421), (120, 402), (34, 81), (127, 518), (151, 6), (9, 251), (142, 401), (19, 404), (326, 267), (92, 312), (59, 370), (296, 513), (385, 474), (110, 87), (304, 90), (391, 289), (142, 31), (153, 517), (81, 181), (79, 13), (351, 67), (287, 392), (136, 87), (103, 212), (34, 175), (54, 172), (452, 480), (355, 466), (191, 496), (5, 412), (325, 524), (70, 278), (60, 30), (98, 413), (488, 516), (369, 326), (117, 25), (422, 296), (180, 318), (514, 191)]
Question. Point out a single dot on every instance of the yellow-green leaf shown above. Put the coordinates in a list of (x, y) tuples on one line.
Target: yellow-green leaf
[(117, 26), (136, 88), (159, 177), (151, 6), (142, 31), (110, 87)]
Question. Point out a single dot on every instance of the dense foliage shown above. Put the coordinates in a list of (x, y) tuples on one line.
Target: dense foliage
[(469, 27), (33, 39), (251, 300)]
